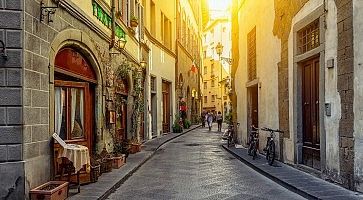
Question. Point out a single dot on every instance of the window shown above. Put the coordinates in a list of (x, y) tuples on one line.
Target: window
[(213, 98), (308, 37), (212, 83), (205, 70), (205, 99), (205, 54), (152, 18), (166, 34), (251, 54), (205, 85), (212, 67), (69, 115), (153, 84)]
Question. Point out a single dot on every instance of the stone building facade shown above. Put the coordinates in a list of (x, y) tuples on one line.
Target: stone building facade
[(188, 50), (105, 95), (216, 70), (307, 58)]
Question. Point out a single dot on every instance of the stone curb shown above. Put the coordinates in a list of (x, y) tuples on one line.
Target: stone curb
[(128, 175), (272, 177)]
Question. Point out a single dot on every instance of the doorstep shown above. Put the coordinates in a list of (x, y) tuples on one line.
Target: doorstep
[(109, 182), (293, 179)]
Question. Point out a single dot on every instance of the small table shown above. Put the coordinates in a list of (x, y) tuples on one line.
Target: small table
[(78, 156)]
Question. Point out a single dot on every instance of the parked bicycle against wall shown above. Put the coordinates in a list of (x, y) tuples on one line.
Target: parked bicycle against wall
[(253, 142), (232, 136), (270, 145)]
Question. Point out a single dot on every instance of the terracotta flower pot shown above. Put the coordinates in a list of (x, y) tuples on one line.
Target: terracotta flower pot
[(134, 148), (118, 161), (52, 190)]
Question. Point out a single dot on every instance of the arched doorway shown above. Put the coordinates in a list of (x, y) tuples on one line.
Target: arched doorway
[(74, 103), (122, 92)]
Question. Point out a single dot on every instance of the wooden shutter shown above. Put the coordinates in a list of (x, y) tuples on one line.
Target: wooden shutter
[(124, 10), (141, 21)]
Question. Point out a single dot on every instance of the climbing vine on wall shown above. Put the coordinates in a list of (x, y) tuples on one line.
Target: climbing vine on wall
[(138, 104)]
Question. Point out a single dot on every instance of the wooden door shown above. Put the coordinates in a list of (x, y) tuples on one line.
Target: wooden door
[(254, 106), (166, 106), (121, 119), (310, 101)]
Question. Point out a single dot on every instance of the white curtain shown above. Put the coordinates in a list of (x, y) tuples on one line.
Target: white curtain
[(58, 109), (81, 108), (73, 106)]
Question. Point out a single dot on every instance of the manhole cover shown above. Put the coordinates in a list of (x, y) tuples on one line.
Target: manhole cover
[(192, 145)]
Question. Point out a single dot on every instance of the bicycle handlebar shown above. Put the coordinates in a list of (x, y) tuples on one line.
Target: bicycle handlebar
[(271, 130)]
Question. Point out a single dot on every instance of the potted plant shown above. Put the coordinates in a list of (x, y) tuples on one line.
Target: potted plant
[(53, 190), (177, 126), (106, 161), (187, 123), (119, 159), (134, 22), (134, 146), (95, 169)]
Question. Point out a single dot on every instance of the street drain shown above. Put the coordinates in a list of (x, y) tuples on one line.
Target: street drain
[(192, 145)]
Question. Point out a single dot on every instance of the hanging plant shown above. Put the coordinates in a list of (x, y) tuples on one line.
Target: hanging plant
[(123, 70)]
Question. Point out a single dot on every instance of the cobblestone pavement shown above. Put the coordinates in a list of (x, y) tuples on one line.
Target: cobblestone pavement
[(194, 166)]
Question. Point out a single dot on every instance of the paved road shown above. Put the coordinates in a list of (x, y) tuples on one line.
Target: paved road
[(194, 166)]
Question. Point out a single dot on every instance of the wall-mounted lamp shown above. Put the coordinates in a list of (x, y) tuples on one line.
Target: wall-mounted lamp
[(47, 11), (2, 50), (121, 43)]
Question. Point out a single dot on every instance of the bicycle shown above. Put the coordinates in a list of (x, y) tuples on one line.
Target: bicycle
[(253, 142), (270, 145), (231, 135)]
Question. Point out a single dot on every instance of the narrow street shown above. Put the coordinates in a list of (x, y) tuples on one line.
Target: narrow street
[(194, 166)]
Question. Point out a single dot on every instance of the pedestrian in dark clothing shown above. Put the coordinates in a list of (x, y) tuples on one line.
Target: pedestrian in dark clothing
[(219, 121)]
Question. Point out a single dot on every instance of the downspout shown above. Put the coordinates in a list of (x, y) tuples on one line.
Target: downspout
[(112, 44)]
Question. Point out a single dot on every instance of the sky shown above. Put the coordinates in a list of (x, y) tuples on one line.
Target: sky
[(218, 7)]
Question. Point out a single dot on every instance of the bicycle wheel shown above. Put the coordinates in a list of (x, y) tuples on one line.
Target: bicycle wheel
[(250, 147), (254, 153), (271, 153)]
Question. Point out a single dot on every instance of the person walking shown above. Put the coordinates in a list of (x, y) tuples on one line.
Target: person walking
[(209, 119), (203, 119), (219, 121)]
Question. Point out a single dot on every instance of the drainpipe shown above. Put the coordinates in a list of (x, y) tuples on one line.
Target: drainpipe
[(112, 44)]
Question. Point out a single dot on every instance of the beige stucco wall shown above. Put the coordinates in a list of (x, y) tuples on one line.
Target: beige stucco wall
[(358, 91), (268, 55), (162, 66)]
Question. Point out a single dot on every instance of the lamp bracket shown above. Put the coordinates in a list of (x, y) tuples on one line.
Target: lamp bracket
[(228, 60), (2, 50), (47, 12)]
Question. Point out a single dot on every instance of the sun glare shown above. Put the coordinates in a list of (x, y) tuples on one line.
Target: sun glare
[(218, 7)]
